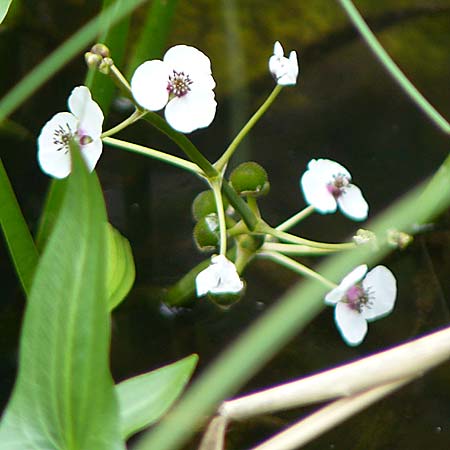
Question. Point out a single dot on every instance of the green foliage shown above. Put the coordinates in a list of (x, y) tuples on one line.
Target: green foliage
[(53, 202), (64, 396), (120, 267), (4, 6), (145, 398), (20, 243)]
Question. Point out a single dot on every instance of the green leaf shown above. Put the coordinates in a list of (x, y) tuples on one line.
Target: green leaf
[(17, 235), (115, 38), (4, 6), (155, 31), (120, 265), (64, 396), (53, 202), (145, 398)]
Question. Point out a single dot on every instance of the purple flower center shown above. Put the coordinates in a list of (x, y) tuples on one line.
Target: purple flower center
[(357, 298), (337, 187), (83, 138), (178, 84)]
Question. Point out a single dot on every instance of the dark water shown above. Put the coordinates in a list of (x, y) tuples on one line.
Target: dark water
[(345, 108)]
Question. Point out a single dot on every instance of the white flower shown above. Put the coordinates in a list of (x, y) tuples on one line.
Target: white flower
[(220, 277), (83, 123), (181, 82), (284, 70), (326, 185), (361, 298)]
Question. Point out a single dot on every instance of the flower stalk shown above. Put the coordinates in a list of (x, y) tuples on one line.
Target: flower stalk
[(296, 218), (155, 154), (223, 160), (290, 263)]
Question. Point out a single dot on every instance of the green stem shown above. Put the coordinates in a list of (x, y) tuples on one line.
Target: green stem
[(223, 160), (137, 114), (240, 206), (287, 237), (289, 223), (295, 249), (216, 187), (297, 267), (184, 143), (253, 205), (156, 154), (121, 82), (413, 93)]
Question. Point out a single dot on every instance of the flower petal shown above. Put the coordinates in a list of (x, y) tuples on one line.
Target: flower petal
[(187, 59), (328, 169), (88, 113), (219, 277), (149, 84), (354, 277), (382, 285), (192, 111), (91, 153), (54, 158), (284, 70), (352, 326), (352, 203), (316, 193)]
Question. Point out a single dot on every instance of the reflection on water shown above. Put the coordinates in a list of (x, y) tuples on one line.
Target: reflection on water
[(345, 108)]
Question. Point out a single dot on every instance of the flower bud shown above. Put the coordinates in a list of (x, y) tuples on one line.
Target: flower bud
[(225, 300), (398, 239), (93, 61), (250, 179), (206, 233), (101, 50), (105, 65), (205, 204)]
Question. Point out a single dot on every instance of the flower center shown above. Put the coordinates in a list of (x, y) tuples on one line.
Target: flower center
[(178, 84), (357, 298), (62, 136), (337, 187)]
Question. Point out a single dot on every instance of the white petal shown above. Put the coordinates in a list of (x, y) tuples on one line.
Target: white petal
[(314, 187), (218, 278), (54, 160), (381, 283), (328, 169), (351, 324), (354, 277), (187, 59), (88, 113), (352, 203), (334, 296), (278, 49), (192, 111), (149, 84), (91, 153)]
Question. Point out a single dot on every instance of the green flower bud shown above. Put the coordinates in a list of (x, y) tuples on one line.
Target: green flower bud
[(250, 179), (398, 239), (206, 233), (205, 204), (105, 65), (226, 300), (93, 61)]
